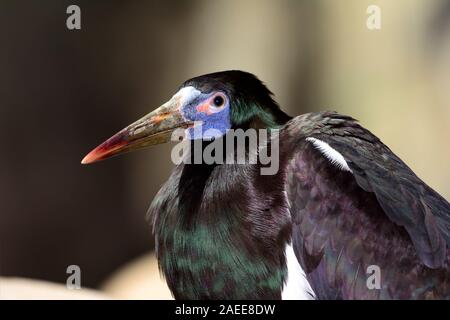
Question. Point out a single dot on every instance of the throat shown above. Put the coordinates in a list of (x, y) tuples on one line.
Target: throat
[(191, 190), (213, 238)]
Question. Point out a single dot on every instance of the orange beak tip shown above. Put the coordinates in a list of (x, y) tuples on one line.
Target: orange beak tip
[(106, 150), (89, 158)]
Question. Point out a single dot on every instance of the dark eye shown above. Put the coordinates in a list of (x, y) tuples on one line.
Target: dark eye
[(218, 101)]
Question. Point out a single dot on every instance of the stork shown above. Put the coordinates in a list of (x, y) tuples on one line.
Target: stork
[(340, 202)]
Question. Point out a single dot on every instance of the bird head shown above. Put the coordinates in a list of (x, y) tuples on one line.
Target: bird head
[(205, 107)]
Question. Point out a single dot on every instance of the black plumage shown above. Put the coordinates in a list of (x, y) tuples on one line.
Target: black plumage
[(379, 214), (222, 229)]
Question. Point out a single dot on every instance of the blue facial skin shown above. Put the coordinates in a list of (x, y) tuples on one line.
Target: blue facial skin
[(213, 125)]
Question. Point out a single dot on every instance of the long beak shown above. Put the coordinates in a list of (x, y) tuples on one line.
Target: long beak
[(154, 128)]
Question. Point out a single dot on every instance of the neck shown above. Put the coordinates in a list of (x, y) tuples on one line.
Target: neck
[(208, 241), (259, 115)]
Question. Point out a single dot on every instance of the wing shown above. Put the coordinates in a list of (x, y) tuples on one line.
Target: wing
[(356, 207)]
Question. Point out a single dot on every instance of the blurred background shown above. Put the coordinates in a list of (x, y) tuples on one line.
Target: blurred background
[(62, 92)]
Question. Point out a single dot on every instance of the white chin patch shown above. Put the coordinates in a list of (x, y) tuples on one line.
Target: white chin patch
[(296, 286), (331, 154), (186, 95)]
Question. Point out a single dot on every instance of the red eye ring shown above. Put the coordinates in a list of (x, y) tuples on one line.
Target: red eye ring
[(218, 100)]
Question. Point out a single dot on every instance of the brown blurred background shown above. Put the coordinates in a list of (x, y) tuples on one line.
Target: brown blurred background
[(62, 92)]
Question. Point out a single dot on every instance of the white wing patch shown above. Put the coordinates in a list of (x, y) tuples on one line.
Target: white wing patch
[(296, 286), (331, 154)]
